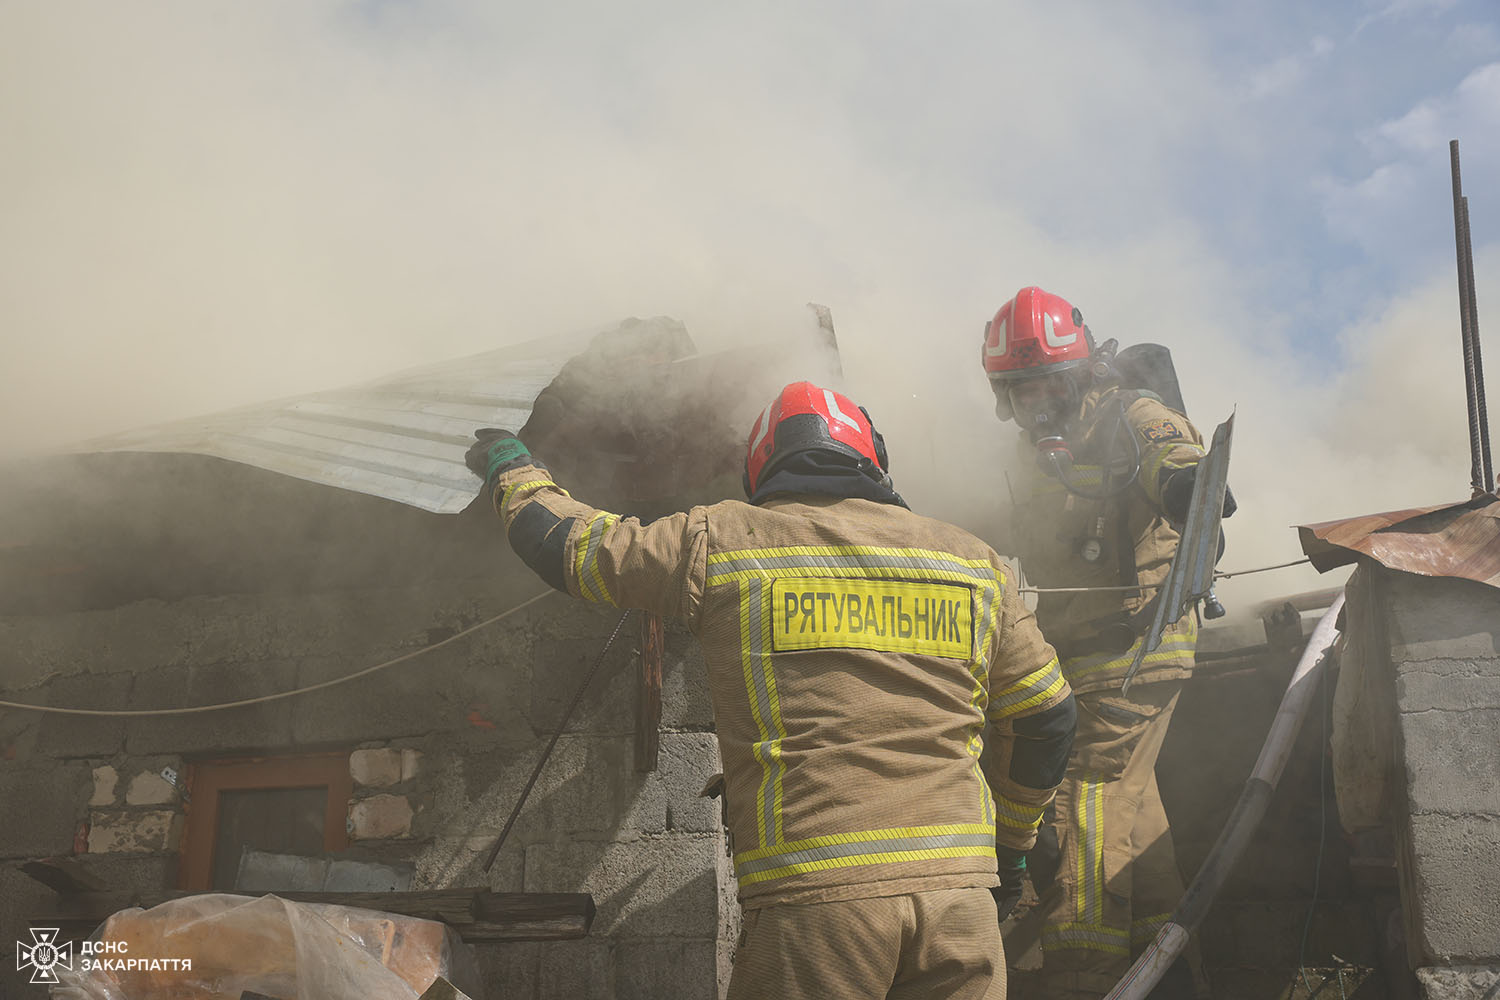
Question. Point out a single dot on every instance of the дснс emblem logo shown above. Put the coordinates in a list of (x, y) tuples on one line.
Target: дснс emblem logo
[(43, 955)]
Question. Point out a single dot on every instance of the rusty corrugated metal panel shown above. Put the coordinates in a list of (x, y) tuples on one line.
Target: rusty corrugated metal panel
[(403, 437), (1458, 540)]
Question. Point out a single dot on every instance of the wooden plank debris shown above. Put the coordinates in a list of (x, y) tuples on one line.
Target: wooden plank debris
[(478, 915), (63, 875), (648, 706), (441, 989)]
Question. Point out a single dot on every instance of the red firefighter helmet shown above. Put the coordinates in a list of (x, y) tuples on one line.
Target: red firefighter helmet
[(1032, 335), (806, 417)]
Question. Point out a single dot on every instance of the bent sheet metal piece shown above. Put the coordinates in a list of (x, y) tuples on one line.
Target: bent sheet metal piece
[(1192, 573), (402, 437)]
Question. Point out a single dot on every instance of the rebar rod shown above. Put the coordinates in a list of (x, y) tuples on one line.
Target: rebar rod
[(1483, 410), (1476, 463)]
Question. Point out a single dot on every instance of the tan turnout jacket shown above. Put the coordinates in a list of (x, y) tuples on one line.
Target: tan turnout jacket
[(855, 651), (1048, 526)]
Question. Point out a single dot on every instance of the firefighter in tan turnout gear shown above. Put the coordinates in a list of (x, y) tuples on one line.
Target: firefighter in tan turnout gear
[(1104, 479), (855, 652)]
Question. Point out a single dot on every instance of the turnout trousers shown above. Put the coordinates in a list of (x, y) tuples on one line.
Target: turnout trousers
[(942, 944), (1118, 880)]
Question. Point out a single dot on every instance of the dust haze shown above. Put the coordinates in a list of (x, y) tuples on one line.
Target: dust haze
[(211, 204)]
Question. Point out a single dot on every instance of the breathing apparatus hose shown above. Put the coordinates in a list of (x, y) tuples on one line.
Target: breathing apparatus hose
[(1062, 461), (1148, 970)]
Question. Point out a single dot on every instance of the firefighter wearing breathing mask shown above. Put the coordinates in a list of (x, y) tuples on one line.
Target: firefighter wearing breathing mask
[(855, 651), (1102, 485)]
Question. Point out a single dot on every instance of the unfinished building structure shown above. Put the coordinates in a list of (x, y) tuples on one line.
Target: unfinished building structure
[(181, 574), (165, 570)]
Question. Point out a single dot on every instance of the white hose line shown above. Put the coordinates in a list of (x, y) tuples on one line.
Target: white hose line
[(1248, 811)]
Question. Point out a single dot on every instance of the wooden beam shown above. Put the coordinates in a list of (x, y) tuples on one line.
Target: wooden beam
[(476, 914), (533, 916), (648, 704), (441, 989), (64, 875)]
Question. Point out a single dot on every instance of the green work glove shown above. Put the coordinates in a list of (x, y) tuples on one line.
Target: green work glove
[(493, 452)]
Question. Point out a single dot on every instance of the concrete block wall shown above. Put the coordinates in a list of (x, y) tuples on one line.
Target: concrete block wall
[(1444, 641), (440, 748)]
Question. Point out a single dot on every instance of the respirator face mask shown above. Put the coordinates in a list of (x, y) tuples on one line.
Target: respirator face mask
[(1044, 405)]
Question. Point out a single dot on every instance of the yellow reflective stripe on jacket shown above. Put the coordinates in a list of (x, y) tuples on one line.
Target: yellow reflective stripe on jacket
[(866, 847), (1089, 477), (989, 614), (1156, 460), (975, 744), (1017, 815), (757, 570), (1033, 689), (986, 802), (1088, 818), (1173, 646), (1093, 937), (1142, 931), (979, 697), (586, 559), (528, 485), (765, 707), (988, 597), (850, 560)]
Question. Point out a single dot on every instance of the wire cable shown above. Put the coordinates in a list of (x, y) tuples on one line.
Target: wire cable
[(1262, 569), (262, 699), (536, 772), (1137, 588)]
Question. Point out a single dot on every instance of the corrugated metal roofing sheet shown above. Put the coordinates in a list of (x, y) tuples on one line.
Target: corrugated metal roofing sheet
[(1458, 540), (402, 437)]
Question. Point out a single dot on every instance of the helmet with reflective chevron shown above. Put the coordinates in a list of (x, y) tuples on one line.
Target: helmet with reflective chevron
[(805, 417), (1033, 336)]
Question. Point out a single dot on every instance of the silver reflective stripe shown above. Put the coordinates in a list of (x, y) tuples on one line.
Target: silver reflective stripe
[(1145, 928), (1097, 937), (983, 629), (827, 852), (1036, 687), (870, 562), (986, 596), (765, 750), (1090, 899), (589, 572), (1018, 815)]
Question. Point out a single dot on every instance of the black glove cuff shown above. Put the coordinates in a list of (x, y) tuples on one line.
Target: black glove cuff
[(1177, 494), (519, 463)]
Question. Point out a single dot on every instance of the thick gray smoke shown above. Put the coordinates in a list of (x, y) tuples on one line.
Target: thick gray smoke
[(211, 204)]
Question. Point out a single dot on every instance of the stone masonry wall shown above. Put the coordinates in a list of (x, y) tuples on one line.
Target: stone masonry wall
[(440, 748)]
